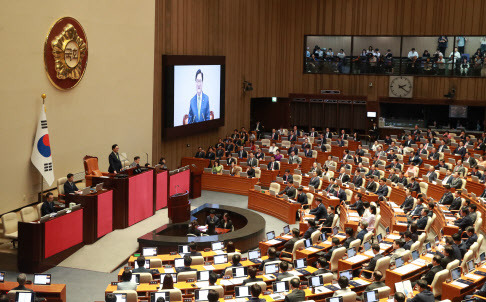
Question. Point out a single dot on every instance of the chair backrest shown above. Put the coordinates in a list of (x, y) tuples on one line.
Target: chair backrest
[(174, 294), (38, 207), (452, 265), (349, 194), (475, 249), (480, 240), (421, 239), (183, 276), (297, 246), (155, 262), (265, 142), (377, 221), (415, 246), (275, 186), (315, 236), (439, 278), (335, 221), (368, 236), (355, 244), (199, 260), (423, 187), (217, 288), (91, 166), (383, 292), (258, 173), (407, 255), (327, 278), (477, 224), (310, 198), (468, 256), (29, 214), (145, 277), (60, 185), (297, 178), (132, 295), (262, 285), (230, 256), (349, 296), (382, 265), (10, 223), (336, 255)]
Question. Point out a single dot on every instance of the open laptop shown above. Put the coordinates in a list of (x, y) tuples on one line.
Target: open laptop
[(347, 273), (316, 281), (203, 275), (25, 297), (254, 256), (270, 235), (201, 294), (379, 238), (136, 278), (240, 272), (280, 287), (42, 279), (242, 291), (271, 268), (415, 255), (183, 249), (178, 262), (351, 252), (146, 265), (367, 246), (221, 259), (334, 299), (99, 187), (218, 245), (371, 296), (154, 296), (335, 230), (456, 273), (286, 229), (149, 251), (300, 263), (86, 191), (399, 262), (323, 237), (482, 257), (470, 266), (2, 277)]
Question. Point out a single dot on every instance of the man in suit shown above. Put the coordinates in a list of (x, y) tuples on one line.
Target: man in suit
[(464, 222), (373, 171), (431, 176), (21, 280), (383, 188), (212, 218), (414, 185), (473, 212), (456, 202), (459, 168), (289, 190), (193, 249), (322, 144), (308, 152), (328, 134), (417, 211), (321, 265), (343, 135), (343, 176), (312, 228), (272, 256), (415, 160), (274, 135), (407, 204), (448, 256), (187, 265), (301, 196), (220, 152), (199, 104), (442, 146), (363, 225), (289, 245), (448, 178), (255, 290), (409, 142), (250, 171), (377, 283), (313, 133), (334, 246), (357, 179), (393, 176), (394, 165), (69, 185), (230, 160), (340, 142), (252, 161), (339, 193), (434, 155), (424, 218), (292, 137), (407, 236), (375, 247), (460, 150), (306, 144), (315, 169), (114, 160), (287, 176), (294, 159), (360, 151), (398, 250), (402, 179), (284, 266), (293, 148), (349, 232), (273, 165), (391, 156), (424, 295), (371, 186), (242, 153), (436, 267), (200, 153), (141, 266), (314, 181), (297, 294), (252, 271), (329, 219), (416, 132), (358, 204), (472, 237), (48, 205), (320, 211)]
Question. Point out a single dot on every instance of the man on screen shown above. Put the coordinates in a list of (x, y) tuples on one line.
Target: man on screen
[(199, 107)]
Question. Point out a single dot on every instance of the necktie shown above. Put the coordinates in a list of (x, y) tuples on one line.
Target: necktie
[(198, 106)]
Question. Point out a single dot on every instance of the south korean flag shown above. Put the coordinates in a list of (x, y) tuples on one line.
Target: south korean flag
[(41, 151)]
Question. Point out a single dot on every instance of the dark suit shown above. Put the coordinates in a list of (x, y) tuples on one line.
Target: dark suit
[(320, 212), (200, 154), (211, 156), (371, 186), (463, 223), (382, 191), (204, 114), (295, 296), (407, 205), (434, 156), (414, 186), (47, 208), (344, 177), (431, 176), (250, 173), (446, 261), (361, 235), (308, 153), (340, 194), (115, 163), (69, 187), (422, 222), (328, 255), (140, 270), (262, 264), (328, 222), (289, 245), (295, 149), (358, 207), (357, 180), (456, 204), (289, 191), (185, 269), (457, 254), (315, 182), (302, 198), (393, 178), (214, 220), (242, 154), (287, 178), (348, 241), (371, 266), (228, 225), (252, 162), (373, 286), (231, 160), (408, 245), (471, 240), (424, 296), (402, 180), (275, 165), (309, 232), (460, 151), (284, 275), (429, 276), (275, 136)]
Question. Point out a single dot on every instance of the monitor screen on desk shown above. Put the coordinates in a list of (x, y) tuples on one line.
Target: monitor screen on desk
[(201, 294), (136, 278), (307, 243), (351, 252), (254, 254), (221, 259), (470, 266), (280, 287), (367, 245), (271, 268), (415, 255), (24, 297), (156, 295), (240, 272), (428, 247), (334, 299), (183, 249), (456, 273), (316, 281), (335, 230), (42, 279), (347, 273), (2, 277), (482, 257), (216, 246), (149, 251), (300, 263), (242, 291), (371, 296), (379, 238), (286, 229), (203, 275), (323, 237), (179, 262), (270, 235), (398, 262)]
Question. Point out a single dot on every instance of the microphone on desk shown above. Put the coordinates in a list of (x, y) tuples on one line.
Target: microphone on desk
[(147, 156)]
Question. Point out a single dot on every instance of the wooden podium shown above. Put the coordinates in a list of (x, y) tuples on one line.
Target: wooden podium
[(195, 184), (179, 207)]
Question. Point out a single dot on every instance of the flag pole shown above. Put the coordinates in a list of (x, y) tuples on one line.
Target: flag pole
[(42, 178)]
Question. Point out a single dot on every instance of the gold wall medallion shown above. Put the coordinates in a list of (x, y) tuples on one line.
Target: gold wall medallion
[(66, 53)]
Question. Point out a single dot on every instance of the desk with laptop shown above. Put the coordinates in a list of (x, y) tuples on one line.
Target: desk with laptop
[(42, 288)]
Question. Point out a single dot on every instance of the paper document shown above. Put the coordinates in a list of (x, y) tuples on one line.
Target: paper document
[(225, 282), (208, 267), (353, 218), (237, 281), (361, 282), (459, 284), (169, 270), (312, 249), (322, 289), (406, 269), (273, 241), (357, 258), (393, 236), (202, 284), (473, 276), (269, 277), (288, 237)]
